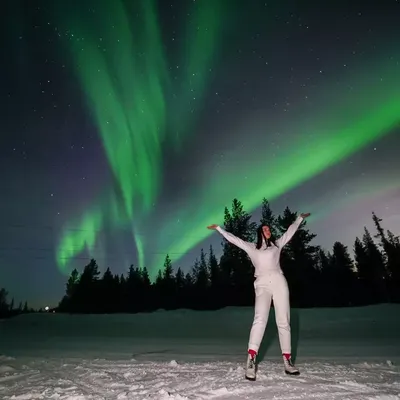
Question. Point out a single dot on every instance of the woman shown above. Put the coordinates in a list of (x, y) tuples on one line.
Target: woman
[(270, 284)]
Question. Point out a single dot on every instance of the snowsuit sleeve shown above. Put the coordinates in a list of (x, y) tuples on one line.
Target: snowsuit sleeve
[(246, 246), (285, 238)]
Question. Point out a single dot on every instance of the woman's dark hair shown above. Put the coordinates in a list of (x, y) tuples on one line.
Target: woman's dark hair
[(261, 237)]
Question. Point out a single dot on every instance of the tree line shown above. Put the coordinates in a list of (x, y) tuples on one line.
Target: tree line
[(8, 309), (316, 277)]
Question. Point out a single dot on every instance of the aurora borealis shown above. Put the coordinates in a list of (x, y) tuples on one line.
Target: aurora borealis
[(134, 124), (130, 114)]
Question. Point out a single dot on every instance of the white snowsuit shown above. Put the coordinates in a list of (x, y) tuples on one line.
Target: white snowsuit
[(270, 284)]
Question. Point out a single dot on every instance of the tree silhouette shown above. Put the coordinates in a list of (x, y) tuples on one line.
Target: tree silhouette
[(391, 247), (4, 307), (237, 270), (167, 288), (298, 262), (87, 291), (108, 296), (340, 274), (216, 284), (7, 309), (146, 293), (72, 283), (376, 274), (180, 288), (201, 281), (133, 289)]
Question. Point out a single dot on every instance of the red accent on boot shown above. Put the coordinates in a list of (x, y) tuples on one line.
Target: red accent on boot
[(252, 353), (287, 356)]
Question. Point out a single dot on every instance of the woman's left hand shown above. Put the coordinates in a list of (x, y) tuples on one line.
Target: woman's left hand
[(213, 226)]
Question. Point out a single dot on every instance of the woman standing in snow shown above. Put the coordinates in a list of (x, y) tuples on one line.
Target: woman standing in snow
[(270, 284)]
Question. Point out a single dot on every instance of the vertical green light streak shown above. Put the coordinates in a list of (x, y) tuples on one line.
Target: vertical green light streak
[(82, 236), (203, 36), (124, 75), (125, 92)]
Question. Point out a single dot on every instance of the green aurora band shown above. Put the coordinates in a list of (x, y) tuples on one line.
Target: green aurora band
[(348, 121), (125, 88), (204, 33), (127, 91), (79, 239)]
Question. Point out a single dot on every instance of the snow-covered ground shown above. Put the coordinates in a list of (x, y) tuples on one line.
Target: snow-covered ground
[(342, 354)]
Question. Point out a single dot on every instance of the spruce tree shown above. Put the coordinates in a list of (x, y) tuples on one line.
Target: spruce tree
[(371, 269), (298, 262), (180, 288), (180, 279), (83, 293), (108, 293), (168, 285), (213, 269), (189, 285), (216, 288), (158, 291), (122, 295), (395, 268), (145, 277), (133, 289), (323, 266), (201, 282), (4, 308), (323, 260), (392, 258), (200, 273), (159, 278), (235, 265), (364, 275), (146, 299), (168, 271), (377, 261), (342, 277), (72, 283)]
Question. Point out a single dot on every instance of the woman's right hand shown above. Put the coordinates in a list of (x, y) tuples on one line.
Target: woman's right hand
[(213, 226)]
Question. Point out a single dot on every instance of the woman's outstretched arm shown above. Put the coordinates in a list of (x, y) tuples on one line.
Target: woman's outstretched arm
[(246, 246), (285, 238)]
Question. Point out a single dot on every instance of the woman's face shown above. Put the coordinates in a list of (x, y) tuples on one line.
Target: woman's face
[(266, 231)]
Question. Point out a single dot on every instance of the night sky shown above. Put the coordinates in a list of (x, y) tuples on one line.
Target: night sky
[(127, 127)]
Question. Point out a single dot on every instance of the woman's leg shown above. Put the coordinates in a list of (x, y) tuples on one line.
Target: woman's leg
[(282, 316), (261, 313), (282, 312)]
